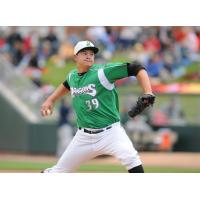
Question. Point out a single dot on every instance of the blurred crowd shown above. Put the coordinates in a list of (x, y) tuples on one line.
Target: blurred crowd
[(165, 51)]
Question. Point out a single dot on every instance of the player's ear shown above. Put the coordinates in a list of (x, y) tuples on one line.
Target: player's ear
[(75, 58)]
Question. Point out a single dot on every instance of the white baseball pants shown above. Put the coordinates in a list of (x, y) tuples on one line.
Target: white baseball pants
[(85, 146)]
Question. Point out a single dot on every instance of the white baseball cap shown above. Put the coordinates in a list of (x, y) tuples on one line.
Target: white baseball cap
[(85, 45)]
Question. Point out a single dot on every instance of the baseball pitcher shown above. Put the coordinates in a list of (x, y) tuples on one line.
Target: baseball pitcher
[(95, 101)]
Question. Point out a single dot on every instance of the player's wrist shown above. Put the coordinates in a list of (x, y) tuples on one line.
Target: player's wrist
[(51, 100)]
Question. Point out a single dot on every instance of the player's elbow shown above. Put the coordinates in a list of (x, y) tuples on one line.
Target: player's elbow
[(134, 67)]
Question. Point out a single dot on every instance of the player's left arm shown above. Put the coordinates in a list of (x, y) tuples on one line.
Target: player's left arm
[(144, 81), (147, 98), (116, 71)]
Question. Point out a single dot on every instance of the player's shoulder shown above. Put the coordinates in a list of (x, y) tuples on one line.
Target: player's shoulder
[(111, 64), (115, 64), (96, 67), (71, 73)]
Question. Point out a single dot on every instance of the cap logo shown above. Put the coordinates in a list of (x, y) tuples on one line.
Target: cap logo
[(88, 44)]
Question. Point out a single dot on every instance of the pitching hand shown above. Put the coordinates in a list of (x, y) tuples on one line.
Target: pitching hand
[(46, 108)]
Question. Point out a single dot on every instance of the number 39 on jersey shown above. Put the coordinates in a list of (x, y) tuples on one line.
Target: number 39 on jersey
[(92, 104)]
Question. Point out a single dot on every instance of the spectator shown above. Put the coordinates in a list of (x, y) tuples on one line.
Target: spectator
[(174, 112), (32, 66), (31, 59), (128, 36), (44, 51), (16, 53), (31, 40), (14, 47), (152, 44), (139, 53), (165, 139), (13, 37), (2, 40), (100, 35), (166, 51), (154, 67), (53, 40)]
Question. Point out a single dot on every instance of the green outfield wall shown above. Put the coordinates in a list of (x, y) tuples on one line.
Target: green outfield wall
[(17, 134), (188, 138)]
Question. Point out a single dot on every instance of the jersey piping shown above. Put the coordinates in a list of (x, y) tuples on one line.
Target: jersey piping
[(104, 81)]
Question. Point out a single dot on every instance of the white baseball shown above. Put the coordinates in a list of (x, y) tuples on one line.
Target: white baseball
[(48, 111)]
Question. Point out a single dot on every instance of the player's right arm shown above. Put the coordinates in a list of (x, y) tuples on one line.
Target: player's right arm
[(47, 106)]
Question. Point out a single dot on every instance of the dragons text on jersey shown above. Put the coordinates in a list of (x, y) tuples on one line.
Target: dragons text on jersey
[(94, 97)]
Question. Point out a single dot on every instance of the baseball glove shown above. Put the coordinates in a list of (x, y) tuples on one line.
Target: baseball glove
[(143, 102)]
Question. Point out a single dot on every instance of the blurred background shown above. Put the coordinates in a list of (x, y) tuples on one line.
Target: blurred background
[(35, 60)]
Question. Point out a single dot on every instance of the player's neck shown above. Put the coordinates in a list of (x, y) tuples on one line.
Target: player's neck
[(82, 69)]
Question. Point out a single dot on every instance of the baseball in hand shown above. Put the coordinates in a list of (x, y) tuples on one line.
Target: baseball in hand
[(48, 112)]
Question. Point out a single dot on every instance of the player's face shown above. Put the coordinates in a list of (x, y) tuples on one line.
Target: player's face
[(85, 58)]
